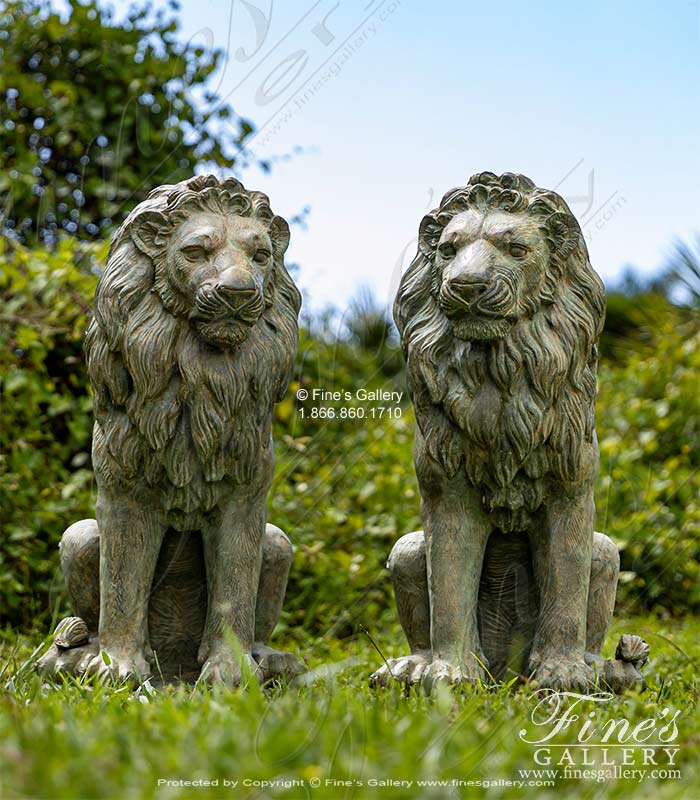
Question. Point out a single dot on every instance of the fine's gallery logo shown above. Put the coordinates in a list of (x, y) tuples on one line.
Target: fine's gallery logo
[(570, 729)]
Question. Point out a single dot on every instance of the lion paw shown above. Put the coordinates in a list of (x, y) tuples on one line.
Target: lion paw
[(616, 675), (226, 669), (118, 666), (407, 670), (276, 664), (73, 661), (563, 675), (445, 672)]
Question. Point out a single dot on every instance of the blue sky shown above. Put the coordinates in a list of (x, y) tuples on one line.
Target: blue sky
[(396, 101)]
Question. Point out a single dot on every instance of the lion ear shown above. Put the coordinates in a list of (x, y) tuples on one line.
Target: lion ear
[(279, 234), (429, 235), (149, 232), (564, 233)]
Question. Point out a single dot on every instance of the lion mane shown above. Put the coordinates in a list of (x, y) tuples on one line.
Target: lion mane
[(173, 414), (517, 413)]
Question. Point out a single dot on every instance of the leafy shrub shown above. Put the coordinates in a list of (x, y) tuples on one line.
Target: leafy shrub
[(638, 304), (97, 111), (649, 487), (344, 487), (631, 322), (45, 419)]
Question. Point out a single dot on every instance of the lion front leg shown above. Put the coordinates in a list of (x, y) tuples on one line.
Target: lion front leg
[(562, 545), (233, 558), (130, 537), (456, 533)]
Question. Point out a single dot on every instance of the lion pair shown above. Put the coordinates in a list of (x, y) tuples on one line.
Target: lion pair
[(192, 343)]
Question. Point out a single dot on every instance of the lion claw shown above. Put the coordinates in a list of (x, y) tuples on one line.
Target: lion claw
[(407, 670), (226, 669), (564, 675), (444, 672), (119, 667)]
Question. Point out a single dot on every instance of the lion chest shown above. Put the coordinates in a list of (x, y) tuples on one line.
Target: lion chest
[(500, 440), (187, 450), (212, 447)]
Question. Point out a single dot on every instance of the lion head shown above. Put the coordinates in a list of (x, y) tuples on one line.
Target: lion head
[(214, 248), (500, 314), (193, 340)]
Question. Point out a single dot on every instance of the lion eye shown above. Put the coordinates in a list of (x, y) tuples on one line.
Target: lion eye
[(194, 253), (261, 256), (447, 250), (517, 250)]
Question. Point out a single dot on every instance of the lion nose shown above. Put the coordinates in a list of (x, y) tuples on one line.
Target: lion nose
[(236, 283), (469, 288), (235, 291)]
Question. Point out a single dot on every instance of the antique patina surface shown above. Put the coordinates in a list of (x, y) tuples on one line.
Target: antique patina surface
[(192, 343), (500, 315)]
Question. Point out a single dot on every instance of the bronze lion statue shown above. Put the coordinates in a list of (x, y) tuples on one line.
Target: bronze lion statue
[(193, 341), (500, 315)]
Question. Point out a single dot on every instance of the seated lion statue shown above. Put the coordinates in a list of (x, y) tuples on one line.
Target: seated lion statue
[(193, 341), (500, 314)]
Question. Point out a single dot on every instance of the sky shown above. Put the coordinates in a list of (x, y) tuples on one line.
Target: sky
[(384, 105)]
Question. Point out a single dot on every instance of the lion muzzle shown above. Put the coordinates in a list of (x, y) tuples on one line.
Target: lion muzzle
[(480, 308), (222, 301), (477, 296), (465, 292)]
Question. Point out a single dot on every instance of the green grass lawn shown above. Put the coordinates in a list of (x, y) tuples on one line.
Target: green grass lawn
[(83, 741)]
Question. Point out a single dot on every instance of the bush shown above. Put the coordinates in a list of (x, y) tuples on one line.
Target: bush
[(45, 418), (97, 112), (649, 485), (344, 489)]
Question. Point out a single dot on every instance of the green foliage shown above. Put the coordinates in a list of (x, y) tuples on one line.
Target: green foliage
[(344, 486), (45, 416), (84, 740), (632, 316), (96, 113), (369, 324), (649, 487), (637, 307), (371, 328)]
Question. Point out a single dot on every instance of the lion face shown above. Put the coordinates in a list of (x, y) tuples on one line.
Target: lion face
[(487, 269), (214, 260), (219, 265)]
